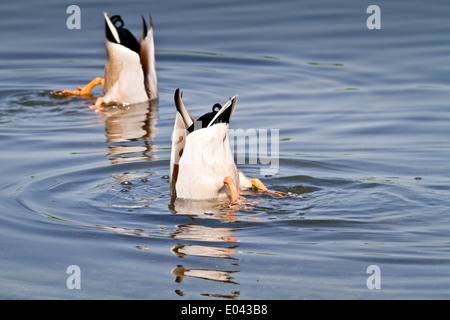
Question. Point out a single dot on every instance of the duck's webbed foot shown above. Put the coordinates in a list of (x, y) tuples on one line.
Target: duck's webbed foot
[(262, 188), (234, 193), (98, 103)]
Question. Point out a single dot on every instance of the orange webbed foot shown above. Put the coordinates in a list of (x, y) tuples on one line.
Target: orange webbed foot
[(234, 193), (98, 106), (261, 187)]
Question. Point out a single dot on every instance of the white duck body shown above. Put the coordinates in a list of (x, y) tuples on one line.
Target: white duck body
[(200, 160), (129, 77)]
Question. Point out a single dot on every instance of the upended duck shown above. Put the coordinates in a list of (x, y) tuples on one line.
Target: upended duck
[(130, 75), (202, 166)]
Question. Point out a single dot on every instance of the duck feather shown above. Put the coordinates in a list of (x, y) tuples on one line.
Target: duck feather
[(130, 75), (201, 158)]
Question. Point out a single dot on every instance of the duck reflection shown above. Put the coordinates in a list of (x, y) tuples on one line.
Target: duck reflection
[(217, 275), (202, 233), (203, 210), (193, 232), (127, 123), (184, 250)]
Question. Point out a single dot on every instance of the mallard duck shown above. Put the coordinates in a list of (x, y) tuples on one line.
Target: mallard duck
[(202, 166), (130, 75)]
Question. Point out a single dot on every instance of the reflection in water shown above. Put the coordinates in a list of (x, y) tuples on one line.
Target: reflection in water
[(202, 233), (232, 295), (184, 250), (126, 123), (216, 275), (203, 209), (205, 234), (209, 234)]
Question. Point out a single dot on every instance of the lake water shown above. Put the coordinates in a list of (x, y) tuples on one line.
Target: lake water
[(363, 123)]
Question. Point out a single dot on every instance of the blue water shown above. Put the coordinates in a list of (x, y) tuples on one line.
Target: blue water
[(364, 124)]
